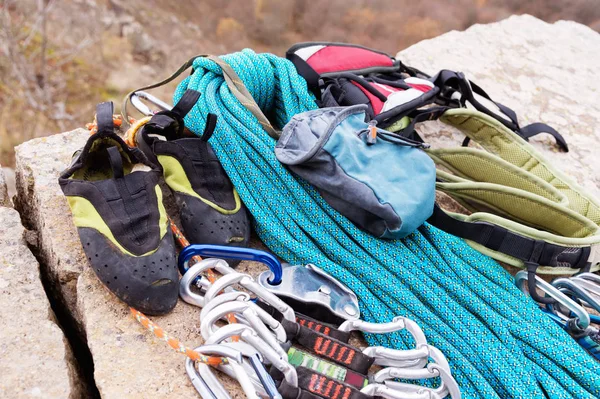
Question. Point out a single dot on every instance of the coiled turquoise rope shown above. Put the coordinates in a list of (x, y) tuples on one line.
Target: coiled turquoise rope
[(498, 343)]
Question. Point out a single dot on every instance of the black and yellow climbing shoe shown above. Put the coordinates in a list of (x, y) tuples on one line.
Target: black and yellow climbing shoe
[(117, 207), (210, 209)]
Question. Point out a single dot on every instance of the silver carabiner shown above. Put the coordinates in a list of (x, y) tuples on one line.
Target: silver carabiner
[(207, 385), (190, 278), (581, 315), (448, 386), (264, 386), (574, 287), (263, 323), (410, 358), (245, 280), (388, 392), (250, 336), (136, 101), (230, 277)]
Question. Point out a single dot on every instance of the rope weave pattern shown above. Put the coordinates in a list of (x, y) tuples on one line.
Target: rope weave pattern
[(498, 343)]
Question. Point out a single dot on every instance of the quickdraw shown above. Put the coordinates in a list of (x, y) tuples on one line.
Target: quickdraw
[(333, 368)]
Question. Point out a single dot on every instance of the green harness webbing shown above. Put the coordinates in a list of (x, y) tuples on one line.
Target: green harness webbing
[(498, 342), (510, 185)]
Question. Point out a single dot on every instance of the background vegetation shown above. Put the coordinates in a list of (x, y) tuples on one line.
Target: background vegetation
[(59, 58)]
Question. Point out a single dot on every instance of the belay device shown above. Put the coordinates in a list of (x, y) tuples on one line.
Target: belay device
[(525, 212)]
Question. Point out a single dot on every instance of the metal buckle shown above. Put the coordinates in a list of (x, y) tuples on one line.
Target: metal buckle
[(312, 286)]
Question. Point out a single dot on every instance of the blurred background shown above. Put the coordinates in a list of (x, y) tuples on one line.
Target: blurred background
[(59, 58)]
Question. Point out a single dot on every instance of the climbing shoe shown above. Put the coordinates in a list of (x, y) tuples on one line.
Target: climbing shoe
[(117, 207), (210, 209)]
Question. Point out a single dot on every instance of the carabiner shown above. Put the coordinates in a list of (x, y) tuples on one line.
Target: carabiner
[(589, 286), (448, 385), (265, 386), (410, 358), (250, 336), (207, 385), (191, 278), (388, 392), (246, 281), (572, 285), (136, 101), (263, 323), (230, 277), (220, 251), (581, 315)]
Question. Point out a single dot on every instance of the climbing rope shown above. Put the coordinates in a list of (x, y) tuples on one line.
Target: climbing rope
[(498, 343)]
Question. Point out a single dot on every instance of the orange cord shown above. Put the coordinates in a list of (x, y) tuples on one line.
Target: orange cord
[(174, 343)]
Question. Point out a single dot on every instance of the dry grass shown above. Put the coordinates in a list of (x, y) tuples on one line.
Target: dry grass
[(52, 75)]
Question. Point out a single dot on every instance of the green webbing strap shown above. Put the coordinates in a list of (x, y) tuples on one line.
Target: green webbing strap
[(512, 187), (507, 145), (475, 165)]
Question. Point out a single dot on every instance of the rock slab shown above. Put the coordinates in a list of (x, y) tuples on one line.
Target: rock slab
[(544, 72), (4, 199), (35, 359), (131, 363)]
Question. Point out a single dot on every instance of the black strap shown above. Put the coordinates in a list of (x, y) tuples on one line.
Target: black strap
[(209, 127), (186, 102), (515, 245), (421, 116), (307, 72), (303, 320), (329, 348), (312, 385), (450, 81), (169, 123), (365, 84), (104, 118), (532, 252), (116, 162), (537, 128)]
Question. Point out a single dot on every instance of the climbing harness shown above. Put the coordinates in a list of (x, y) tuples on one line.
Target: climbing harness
[(497, 344), (524, 211)]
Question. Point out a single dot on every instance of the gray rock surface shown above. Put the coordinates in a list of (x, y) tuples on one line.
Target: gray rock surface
[(544, 72), (522, 62), (35, 358), (129, 362), (4, 199)]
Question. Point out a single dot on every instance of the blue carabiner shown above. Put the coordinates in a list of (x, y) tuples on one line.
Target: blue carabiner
[(221, 251)]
